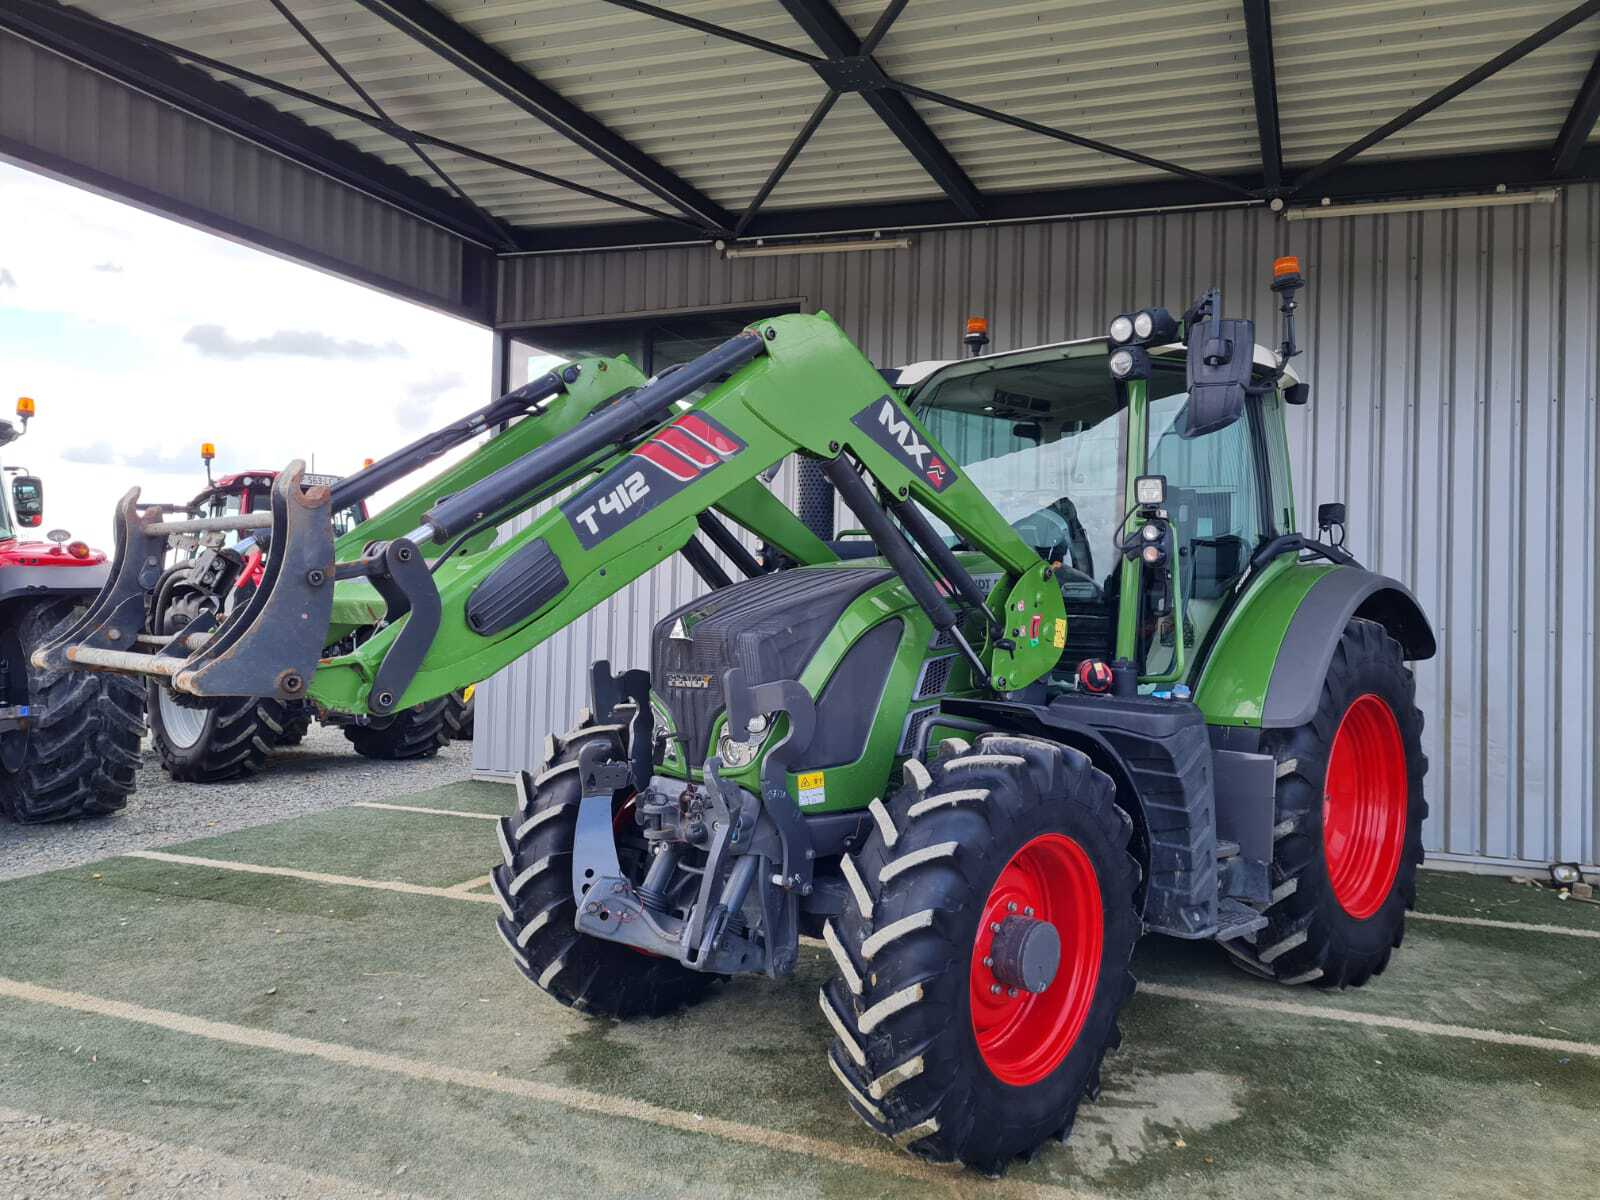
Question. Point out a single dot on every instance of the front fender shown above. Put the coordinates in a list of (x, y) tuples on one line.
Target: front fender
[(1268, 665)]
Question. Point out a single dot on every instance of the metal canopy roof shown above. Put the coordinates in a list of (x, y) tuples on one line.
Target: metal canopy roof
[(558, 124)]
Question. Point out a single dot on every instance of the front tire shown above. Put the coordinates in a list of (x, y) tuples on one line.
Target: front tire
[(417, 732), (939, 1042), (1350, 809), (79, 757), (534, 886), (212, 741)]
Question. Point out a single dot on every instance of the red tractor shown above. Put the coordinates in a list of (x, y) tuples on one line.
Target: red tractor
[(69, 742), (207, 741)]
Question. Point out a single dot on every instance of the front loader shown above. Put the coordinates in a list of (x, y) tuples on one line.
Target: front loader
[(1077, 677)]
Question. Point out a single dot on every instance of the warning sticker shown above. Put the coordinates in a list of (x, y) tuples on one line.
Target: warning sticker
[(1060, 640), (811, 788)]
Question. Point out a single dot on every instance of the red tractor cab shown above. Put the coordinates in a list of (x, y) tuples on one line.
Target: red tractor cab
[(65, 751), (250, 491)]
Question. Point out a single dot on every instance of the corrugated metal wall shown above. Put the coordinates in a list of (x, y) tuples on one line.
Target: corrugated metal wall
[(67, 120), (1453, 360)]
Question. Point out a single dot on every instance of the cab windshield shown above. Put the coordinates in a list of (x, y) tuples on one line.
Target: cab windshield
[(1045, 441)]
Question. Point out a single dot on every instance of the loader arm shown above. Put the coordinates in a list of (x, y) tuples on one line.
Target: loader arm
[(641, 467)]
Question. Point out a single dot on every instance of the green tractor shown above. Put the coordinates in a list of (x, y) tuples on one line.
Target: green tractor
[(1074, 678)]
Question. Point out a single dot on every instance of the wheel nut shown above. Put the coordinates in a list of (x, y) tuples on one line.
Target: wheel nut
[(1012, 907), (1012, 992), (1028, 912), (994, 989), (994, 926)]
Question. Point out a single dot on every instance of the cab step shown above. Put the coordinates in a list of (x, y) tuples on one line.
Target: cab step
[(1236, 920)]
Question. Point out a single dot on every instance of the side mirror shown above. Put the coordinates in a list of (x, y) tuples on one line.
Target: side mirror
[(27, 500), (1221, 358)]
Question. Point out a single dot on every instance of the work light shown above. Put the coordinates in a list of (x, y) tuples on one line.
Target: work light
[(1154, 325), (1131, 362), (1121, 329), (1565, 874), (1150, 491)]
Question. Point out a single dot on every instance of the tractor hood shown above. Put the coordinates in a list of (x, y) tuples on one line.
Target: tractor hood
[(14, 553)]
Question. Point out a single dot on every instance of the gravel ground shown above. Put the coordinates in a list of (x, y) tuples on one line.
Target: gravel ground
[(321, 773), (45, 1159)]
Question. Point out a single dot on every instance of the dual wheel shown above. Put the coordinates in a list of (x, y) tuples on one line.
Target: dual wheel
[(983, 953)]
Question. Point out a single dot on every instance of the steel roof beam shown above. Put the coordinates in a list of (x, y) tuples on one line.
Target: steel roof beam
[(1575, 130), (497, 228), (834, 37), (1264, 83), (383, 125), (428, 27), (105, 48), (1445, 94)]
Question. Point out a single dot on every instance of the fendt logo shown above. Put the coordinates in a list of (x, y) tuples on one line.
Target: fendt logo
[(671, 460), (887, 424)]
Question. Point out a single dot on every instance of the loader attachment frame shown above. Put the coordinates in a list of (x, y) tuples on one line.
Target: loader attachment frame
[(645, 470)]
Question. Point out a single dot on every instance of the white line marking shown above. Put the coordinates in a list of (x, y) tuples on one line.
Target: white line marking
[(462, 891), (1377, 1020), (382, 885), (1490, 923), (594, 1103), (437, 812)]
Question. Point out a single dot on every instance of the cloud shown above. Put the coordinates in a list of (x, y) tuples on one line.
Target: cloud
[(214, 341), (108, 268), (7, 279), (100, 454), (165, 462), (417, 411), (104, 454), (430, 389)]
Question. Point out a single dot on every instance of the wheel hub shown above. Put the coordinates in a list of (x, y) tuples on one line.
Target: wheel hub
[(1026, 953)]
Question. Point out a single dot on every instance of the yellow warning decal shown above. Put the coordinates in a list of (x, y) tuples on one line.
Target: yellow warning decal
[(1061, 633), (812, 788)]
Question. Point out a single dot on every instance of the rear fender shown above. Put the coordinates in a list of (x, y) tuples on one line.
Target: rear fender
[(1267, 667)]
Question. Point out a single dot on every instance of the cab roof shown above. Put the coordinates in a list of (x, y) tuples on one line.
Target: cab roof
[(917, 373)]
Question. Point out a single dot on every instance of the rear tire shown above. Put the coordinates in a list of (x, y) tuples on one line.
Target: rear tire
[(534, 886), (1350, 809), (928, 1051), (418, 732), (79, 758)]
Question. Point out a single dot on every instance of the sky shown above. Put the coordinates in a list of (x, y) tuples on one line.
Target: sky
[(139, 338)]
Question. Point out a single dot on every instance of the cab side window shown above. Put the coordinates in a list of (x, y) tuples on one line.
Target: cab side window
[(1214, 498)]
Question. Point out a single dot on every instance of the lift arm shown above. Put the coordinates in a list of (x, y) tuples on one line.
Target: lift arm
[(643, 466)]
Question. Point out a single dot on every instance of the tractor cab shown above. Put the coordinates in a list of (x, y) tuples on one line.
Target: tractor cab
[(1057, 441), (245, 492)]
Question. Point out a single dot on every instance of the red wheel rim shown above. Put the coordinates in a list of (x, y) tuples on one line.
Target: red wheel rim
[(1365, 803), (1024, 1037)]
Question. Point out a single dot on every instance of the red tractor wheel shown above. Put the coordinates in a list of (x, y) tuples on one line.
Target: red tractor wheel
[(1349, 822), (983, 957)]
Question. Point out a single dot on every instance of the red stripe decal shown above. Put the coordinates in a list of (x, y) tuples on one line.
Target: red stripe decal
[(704, 431), (685, 445), (673, 464)]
